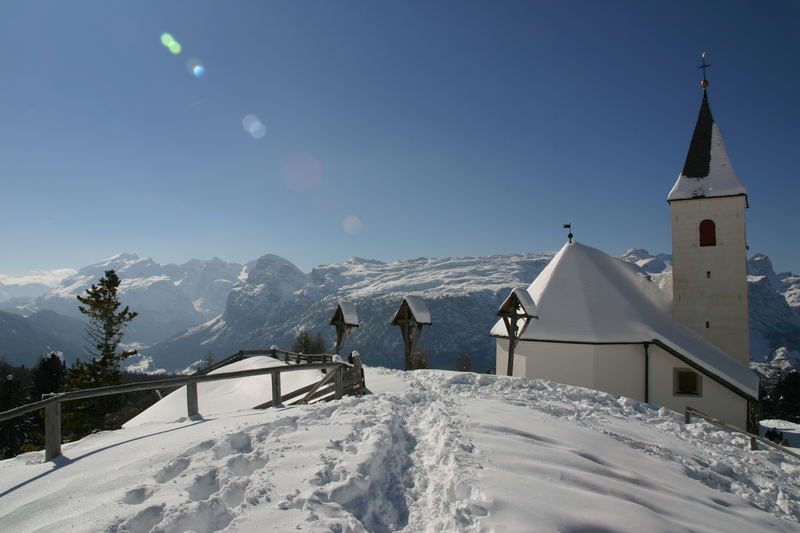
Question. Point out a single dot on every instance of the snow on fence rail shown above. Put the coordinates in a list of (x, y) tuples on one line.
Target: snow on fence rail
[(281, 355), (690, 411), (347, 379)]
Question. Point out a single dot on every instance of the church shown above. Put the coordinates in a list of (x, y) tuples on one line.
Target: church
[(592, 320)]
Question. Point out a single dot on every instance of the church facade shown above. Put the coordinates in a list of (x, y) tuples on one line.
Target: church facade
[(603, 324)]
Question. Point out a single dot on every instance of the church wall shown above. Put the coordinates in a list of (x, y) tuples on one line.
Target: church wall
[(710, 282), (715, 399), (572, 364), (619, 369)]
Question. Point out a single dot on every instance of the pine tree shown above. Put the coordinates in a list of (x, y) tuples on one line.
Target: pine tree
[(14, 391), (48, 375), (464, 363), (106, 322), (104, 333), (306, 344)]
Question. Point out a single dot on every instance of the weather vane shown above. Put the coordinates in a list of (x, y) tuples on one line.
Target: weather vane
[(569, 235), (704, 66)]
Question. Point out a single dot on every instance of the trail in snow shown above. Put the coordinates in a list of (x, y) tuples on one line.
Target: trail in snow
[(431, 451)]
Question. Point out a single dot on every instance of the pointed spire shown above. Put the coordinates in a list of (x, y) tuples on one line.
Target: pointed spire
[(698, 160), (707, 171)]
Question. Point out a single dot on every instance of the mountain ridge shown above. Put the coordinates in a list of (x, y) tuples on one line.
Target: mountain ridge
[(210, 308)]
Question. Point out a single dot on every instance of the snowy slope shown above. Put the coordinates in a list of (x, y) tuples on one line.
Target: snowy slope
[(430, 451)]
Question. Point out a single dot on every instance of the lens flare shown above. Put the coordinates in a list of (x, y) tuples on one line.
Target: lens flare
[(302, 172), (170, 43), (196, 68), (351, 224), (254, 126)]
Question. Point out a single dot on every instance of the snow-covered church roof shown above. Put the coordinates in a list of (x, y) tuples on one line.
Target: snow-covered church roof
[(587, 296), (707, 172)]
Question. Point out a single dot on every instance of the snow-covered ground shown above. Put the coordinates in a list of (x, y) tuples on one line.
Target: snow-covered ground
[(428, 451)]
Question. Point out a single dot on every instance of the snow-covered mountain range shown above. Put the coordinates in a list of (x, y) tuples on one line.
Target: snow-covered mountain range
[(212, 308), (275, 301), (168, 298)]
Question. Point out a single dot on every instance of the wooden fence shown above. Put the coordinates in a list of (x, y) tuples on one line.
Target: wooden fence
[(340, 379), (690, 412)]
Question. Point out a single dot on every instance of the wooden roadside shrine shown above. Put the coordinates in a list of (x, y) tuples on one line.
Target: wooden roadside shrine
[(518, 306), (412, 315), (345, 319)]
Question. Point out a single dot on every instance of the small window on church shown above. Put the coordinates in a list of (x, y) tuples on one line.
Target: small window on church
[(686, 382), (708, 233)]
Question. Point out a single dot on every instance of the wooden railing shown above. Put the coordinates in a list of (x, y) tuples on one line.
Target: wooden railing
[(277, 353), (690, 411), (341, 378)]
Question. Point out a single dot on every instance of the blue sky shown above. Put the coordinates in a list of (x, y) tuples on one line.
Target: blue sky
[(445, 128)]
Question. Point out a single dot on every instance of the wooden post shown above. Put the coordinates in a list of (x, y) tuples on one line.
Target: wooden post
[(511, 328), (339, 382), (191, 399), (687, 416), (358, 370), (52, 431), (276, 389), (753, 444), (517, 306)]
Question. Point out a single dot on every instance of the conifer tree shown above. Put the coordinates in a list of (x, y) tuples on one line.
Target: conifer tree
[(14, 391), (106, 321), (306, 344), (464, 363), (48, 375), (104, 334)]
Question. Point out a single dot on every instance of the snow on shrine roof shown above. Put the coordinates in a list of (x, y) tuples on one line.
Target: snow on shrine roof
[(418, 309), (586, 296), (524, 299), (707, 172), (349, 313)]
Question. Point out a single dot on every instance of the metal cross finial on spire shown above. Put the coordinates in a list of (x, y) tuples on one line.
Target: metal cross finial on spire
[(704, 66)]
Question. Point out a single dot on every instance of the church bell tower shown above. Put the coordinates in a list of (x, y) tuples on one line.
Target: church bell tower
[(709, 252)]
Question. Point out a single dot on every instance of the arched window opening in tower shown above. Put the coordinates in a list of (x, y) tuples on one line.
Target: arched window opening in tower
[(708, 233)]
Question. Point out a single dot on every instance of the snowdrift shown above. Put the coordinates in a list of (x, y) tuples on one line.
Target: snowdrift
[(429, 451)]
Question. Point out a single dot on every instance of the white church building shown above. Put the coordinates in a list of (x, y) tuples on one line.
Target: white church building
[(599, 322)]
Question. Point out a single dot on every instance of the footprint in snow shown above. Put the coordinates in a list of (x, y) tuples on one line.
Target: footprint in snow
[(137, 495), (235, 443), (144, 520), (204, 486), (172, 470), (241, 465)]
